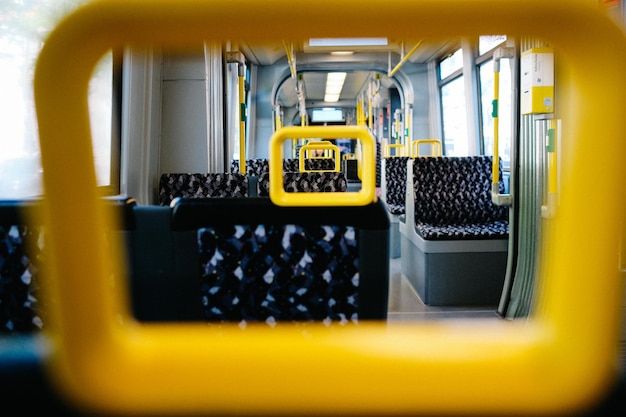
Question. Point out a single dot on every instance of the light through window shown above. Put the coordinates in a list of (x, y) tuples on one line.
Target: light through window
[(23, 28)]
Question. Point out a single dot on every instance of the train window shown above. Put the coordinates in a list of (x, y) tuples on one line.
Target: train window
[(458, 125), (451, 64), (455, 139), (24, 26), (489, 42), (453, 107)]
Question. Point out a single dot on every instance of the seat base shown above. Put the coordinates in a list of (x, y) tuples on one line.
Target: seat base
[(445, 273)]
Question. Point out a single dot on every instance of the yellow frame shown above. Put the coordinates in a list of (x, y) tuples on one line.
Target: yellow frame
[(319, 145), (562, 358), (435, 147), (399, 147), (365, 195)]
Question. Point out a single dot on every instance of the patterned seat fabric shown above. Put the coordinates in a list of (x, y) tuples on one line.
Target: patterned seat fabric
[(319, 164), (395, 180), (322, 181), (291, 165), (453, 199), (253, 166), (279, 272), (378, 163), (202, 186), (19, 271)]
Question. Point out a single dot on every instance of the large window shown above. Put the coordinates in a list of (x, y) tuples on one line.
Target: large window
[(454, 98), (24, 25), (455, 138), (452, 90)]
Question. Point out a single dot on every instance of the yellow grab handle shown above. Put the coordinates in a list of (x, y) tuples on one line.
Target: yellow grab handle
[(367, 193), (399, 150), (435, 147), (322, 145)]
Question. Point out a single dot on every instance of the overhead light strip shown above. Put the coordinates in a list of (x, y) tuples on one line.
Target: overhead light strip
[(326, 42), (334, 84)]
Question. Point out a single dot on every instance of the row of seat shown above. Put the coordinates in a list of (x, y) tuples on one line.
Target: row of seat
[(453, 240), (319, 177), (220, 259)]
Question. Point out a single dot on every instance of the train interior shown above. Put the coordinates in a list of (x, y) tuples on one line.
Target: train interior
[(359, 232)]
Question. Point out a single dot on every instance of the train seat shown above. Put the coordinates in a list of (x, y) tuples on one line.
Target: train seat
[(320, 178), (257, 166), (312, 181), (247, 260), (393, 193), (319, 164), (20, 248), (227, 184), (22, 252), (454, 240), (254, 166)]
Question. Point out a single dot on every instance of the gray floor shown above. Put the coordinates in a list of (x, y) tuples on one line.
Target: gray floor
[(405, 304)]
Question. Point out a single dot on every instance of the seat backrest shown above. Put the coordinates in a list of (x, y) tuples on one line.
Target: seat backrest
[(449, 198), (20, 247), (319, 164), (313, 181), (455, 190), (250, 260), (201, 185), (393, 183), (291, 165), (254, 166), (22, 254)]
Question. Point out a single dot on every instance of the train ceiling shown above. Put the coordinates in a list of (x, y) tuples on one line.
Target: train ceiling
[(314, 62)]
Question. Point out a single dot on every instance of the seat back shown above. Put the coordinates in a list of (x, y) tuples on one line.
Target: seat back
[(453, 198), (393, 183), (228, 184), (22, 258), (250, 260), (21, 246)]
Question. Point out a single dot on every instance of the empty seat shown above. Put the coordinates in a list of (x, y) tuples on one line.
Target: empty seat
[(313, 181), (201, 185), (454, 240)]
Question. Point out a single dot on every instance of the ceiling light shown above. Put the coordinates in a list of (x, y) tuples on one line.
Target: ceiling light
[(347, 42), (334, 84)]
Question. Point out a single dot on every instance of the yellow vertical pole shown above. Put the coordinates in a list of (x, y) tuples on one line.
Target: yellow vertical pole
[(278, 122), (495, 163), (242, 120)]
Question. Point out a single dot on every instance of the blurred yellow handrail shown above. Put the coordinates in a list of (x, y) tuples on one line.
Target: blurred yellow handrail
[(561, 359)]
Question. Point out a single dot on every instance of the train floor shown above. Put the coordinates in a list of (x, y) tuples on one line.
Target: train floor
[(406, 305)]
